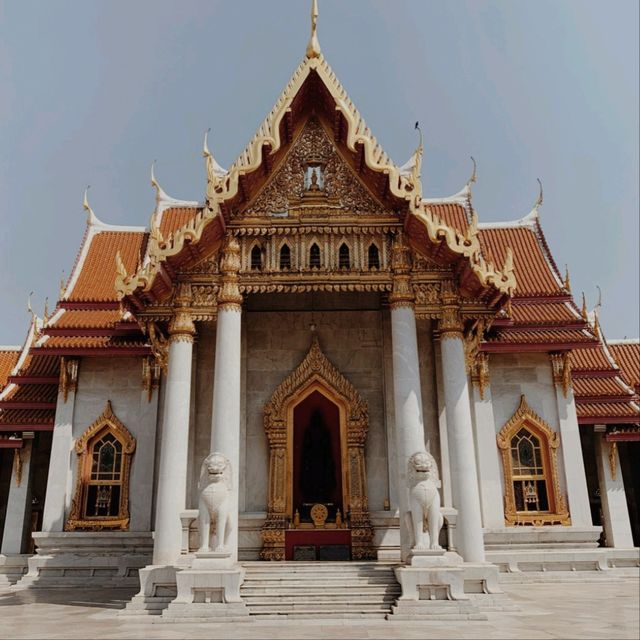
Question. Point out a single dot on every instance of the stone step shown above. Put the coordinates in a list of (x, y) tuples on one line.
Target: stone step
[(285, 583), (248, 592), (318, 608), (301, 615), (326, 600)]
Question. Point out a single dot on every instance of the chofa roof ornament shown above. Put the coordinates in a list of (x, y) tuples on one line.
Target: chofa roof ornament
[(313, 48)]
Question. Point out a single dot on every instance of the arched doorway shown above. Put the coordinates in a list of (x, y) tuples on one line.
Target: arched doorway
[(316, 423)]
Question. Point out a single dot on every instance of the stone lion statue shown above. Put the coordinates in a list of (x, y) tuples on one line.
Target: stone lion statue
[(424, 500), (213, 505)]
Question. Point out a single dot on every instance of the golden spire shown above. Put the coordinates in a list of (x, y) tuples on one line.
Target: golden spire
[(45, 315), (313, 48), (567, 281), (583, 311)]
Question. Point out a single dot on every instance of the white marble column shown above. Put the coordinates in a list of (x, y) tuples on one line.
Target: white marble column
[(615, 511), (407, 395), (225, 425), (571, 449), (18, 511), (59, 481), (172, 474), (489, 466), (464, 476)]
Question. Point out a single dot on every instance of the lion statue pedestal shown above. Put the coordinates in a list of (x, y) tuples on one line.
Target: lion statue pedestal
[(433, 582), (210, 588)]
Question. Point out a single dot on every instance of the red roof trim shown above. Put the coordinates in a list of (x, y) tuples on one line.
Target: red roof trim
[(17, 404), (33, 380), (87, 306), (97, 351), (539, 347), (608, 420), (46, 426), (604, 398)]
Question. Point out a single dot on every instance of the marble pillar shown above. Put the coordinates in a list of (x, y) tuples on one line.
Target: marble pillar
[(489, 465), (407, 394), (18, 512), (59, 481), (571, 449), (172, 474), (464, 475), (615, 512), (225, 425)]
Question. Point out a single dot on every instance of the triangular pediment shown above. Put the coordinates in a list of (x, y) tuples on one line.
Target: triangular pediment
[(313, 177)]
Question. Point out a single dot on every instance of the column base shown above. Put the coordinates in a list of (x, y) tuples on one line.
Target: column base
[(12, 568)]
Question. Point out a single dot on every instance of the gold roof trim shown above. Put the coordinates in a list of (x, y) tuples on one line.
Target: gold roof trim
[(403, 185)]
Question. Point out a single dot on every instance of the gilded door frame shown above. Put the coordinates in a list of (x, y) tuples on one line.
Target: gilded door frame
[(316, 372)]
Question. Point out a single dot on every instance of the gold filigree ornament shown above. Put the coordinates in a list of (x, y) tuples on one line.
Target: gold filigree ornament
[(68, 376), (557, 513), (97, 485), (561, 364), (316, 373)]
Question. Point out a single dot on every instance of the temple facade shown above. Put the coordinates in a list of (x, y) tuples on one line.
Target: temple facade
[(316, 321)]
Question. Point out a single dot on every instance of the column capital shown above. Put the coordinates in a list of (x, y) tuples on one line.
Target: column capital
[(181, 327), (561, 365), (402, 292), (229, 296)]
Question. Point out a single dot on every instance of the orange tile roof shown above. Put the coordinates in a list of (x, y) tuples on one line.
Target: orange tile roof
[(175, 217), (8, 360), (627, 355), (32, 393), (547, 313), (98, 269), (592, 359), (87, 319), (451, 213), (550, 337), (90, 342), (598, 387), (534, 274), (609, 409), (26, 416)]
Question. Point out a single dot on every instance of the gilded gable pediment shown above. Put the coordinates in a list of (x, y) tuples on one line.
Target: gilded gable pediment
[(313, 179)]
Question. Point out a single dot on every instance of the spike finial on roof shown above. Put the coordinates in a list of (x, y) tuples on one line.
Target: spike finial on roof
[(62, 289), (567, 281), (540, 199), (474, 176), (313, 48), (29, 307), (205, 147), (599, 303), (91, 216), (583, 311), (45, 314)]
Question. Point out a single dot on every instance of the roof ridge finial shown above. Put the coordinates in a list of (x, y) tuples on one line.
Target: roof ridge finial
[(474, 176), (567, 280), (29, 307), (540, 199), (313, 48), (583, 311), (205, 147), (91, 216)]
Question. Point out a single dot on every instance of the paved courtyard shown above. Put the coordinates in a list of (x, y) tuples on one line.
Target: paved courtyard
[(602, 609)]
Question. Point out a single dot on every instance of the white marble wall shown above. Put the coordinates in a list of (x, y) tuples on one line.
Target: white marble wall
[(120, 381), (530, 374), (276, 342)]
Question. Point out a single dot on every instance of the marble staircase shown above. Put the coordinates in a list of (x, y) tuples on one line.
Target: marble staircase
[(319, 589)]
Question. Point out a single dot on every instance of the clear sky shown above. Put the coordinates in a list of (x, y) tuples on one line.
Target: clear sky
[(93, 92)]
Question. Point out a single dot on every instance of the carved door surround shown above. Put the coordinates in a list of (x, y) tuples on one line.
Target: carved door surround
[(316, 373)]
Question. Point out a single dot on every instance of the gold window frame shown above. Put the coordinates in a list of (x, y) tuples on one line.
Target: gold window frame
[(107, 422), (526, 418)]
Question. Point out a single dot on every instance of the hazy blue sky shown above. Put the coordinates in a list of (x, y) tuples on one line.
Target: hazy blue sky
[(92, 92)]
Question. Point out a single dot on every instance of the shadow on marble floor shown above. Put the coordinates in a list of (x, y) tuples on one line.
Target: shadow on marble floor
[(99, 598)]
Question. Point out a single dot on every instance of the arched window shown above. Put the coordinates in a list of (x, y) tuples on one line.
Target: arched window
[(256, 258), (285, 257), (344, 261), (529, 450), (374, 257), (314, 256), (101, 499)]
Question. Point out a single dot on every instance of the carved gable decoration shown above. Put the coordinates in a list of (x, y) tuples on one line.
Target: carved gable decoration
[(334, 187)]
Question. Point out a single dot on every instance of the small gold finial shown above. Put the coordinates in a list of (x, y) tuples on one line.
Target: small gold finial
[(154, 182), (313, 48), (91, 217), (45, 315), (61, 291), (583, 311), (567, 280)]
